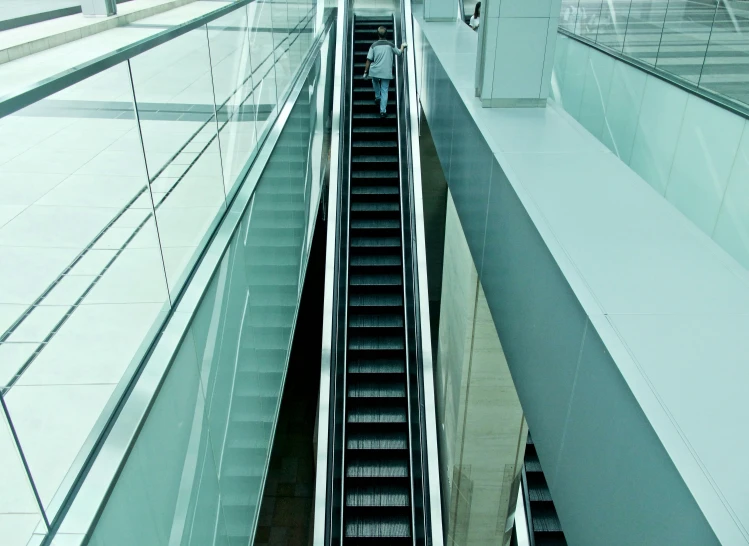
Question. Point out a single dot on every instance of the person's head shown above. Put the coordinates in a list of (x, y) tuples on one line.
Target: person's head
[(477, 11), (382, 32)]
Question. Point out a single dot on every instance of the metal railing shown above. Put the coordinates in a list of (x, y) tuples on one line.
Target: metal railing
[(149, 147)]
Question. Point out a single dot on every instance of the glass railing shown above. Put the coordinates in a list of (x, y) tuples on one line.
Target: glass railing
[(111, 186), (196, 471), (702, 43)]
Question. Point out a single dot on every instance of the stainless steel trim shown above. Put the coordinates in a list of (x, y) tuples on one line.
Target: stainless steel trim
[(521, 522), (326, 374), (95, 488), (433, 485)]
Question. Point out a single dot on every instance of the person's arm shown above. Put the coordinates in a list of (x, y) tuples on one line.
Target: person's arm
[(366, 68), (399, 52)]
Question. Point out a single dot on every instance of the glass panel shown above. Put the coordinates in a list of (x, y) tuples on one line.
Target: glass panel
[(19, 510), (726, 69), (613, 24), (568, 14), (686, 32), (168, 491), (587, 18), (175, 101), (233, 85), (263, 63), (82, 289), (281, 40)]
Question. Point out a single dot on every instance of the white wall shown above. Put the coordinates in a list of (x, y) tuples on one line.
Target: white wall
[(690, 151)]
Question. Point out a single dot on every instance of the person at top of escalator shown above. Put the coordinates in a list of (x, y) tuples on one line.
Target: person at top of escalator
[(476, 19), (380, 67)]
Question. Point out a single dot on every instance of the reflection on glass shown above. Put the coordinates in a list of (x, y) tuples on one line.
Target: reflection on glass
[(174, 96), (82, 287), (686, 31), (168, 491), (700, 42), (263, 63), (196, 473), (233, 82), (726, 68)]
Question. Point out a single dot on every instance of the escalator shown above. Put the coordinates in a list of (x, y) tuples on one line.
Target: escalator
[(544, 527), (377, 489)]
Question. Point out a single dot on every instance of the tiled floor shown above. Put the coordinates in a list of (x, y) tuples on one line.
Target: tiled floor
[(91, 254)]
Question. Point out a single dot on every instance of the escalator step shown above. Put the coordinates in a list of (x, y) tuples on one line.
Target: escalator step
[(376, 300), (375, 223), (384, 441), (375, 261), (364, 279), (361, 173), (377, 495), (373, 389), (377, 415), (375, 527), (376, 366), (377, 467), (375, 242), (375, 190), (374, 207), (376, 343), (377, 144)]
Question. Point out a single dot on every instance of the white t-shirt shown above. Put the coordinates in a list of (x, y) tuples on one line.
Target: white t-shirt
[(474, 23)]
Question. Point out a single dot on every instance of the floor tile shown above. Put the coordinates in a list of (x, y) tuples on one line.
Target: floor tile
[(25, 273), (16, 529), (52, 423), (136, 276), (93, 262), (94, 191), (95, 345), (68, 290), (38, 324), (13, 356), (58, 227), (23, 189)]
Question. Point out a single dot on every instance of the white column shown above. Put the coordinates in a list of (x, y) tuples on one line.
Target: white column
[(516, 52), (99, 8), (440, 10)]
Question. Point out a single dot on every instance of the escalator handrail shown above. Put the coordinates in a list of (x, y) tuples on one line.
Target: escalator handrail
[(82, 510), (331, 302), (421, 307)]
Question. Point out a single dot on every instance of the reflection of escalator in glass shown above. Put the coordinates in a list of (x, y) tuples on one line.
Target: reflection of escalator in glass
[(544, 526), (273, 238)]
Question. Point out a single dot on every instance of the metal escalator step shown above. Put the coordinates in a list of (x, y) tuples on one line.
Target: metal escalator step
[(375, 223), (362, 145), (376, 242), (375, 190), (376, 366), (376, 300), (545, 519), (376, 260), (380, 414), (539, 494), (376, 129), (384, 441), (376, 389), (361, 466), (373, 116), (362, 173), (375, 527), (376, 343), (364, 279), (377, 495), (368, 206)]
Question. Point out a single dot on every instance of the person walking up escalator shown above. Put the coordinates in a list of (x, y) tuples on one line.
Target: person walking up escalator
[(380, 67)]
